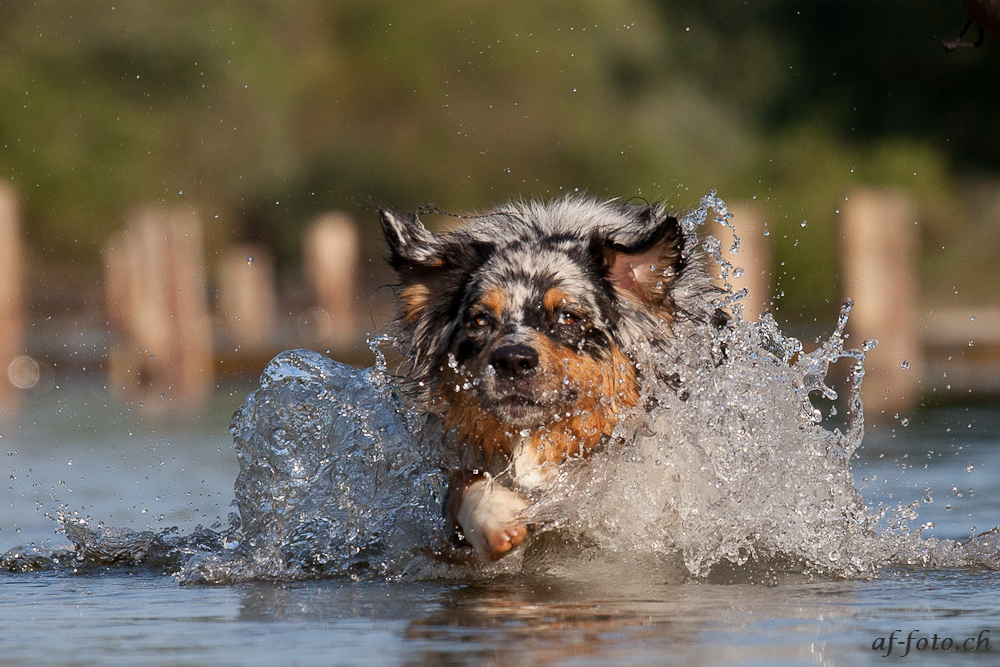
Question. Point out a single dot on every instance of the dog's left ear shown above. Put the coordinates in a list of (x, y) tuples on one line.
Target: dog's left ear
[(644, 258)]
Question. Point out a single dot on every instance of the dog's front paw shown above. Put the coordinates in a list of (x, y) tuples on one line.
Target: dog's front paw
[(489, 519)]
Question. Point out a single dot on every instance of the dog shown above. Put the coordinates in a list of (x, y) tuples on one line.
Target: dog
[(521, 330)]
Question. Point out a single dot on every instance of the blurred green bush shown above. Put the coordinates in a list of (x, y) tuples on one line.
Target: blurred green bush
[(262, 113)]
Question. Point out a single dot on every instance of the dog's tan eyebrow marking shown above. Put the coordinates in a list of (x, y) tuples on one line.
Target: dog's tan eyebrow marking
[(494, 299), (554, 298)]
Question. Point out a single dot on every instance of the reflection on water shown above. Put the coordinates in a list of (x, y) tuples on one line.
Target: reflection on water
[(112, 617), (553, 621)]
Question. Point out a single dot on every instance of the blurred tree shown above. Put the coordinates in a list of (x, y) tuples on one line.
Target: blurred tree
[(864, 69), (260, 114), (106, 106)]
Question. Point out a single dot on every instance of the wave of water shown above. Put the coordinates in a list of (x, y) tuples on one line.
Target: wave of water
[(728, 470)]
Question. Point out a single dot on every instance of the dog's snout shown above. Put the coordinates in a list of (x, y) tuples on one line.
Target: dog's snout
[(510, 361)]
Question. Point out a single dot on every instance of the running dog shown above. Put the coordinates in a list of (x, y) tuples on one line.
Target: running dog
[(519, 331)]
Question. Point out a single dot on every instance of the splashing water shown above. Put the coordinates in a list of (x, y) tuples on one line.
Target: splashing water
[(728, 467)]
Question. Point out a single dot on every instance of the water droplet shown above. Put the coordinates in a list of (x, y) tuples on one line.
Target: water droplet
[(250, 261), (905, 365), (970, 468), (804, 223), (904, 421)]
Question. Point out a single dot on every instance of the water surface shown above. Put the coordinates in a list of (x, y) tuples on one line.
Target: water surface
[(184, 472)]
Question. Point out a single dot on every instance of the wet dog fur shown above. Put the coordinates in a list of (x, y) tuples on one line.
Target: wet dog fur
[(519, 331)]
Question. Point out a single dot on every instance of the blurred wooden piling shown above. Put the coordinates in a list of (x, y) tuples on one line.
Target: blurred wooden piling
[(158, 308), (11, 305), (330, 257), (754, 258), (879, 248), (247, 299)]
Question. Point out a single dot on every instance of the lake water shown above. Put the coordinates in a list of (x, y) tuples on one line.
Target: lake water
[(76, 447)]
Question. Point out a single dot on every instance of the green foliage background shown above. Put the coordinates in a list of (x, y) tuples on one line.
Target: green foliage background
[(261, 113)]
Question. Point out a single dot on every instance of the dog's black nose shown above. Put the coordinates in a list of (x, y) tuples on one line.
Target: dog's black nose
[(513, 360)]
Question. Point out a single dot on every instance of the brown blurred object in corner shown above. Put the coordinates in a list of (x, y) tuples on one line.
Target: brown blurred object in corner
[(158, 307), (985, 14)]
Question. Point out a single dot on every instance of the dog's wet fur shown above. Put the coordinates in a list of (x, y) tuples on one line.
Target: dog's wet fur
[(519, 330)]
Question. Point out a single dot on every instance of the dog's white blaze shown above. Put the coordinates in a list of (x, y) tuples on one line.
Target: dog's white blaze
[(519, 295)]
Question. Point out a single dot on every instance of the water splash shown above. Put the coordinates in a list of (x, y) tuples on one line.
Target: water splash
[(728, 467)]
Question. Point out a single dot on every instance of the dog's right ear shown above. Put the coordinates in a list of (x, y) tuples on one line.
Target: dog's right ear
[(417, 256), (412, 249)]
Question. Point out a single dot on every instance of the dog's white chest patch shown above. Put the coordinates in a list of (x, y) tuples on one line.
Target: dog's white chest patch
[(528, 470)]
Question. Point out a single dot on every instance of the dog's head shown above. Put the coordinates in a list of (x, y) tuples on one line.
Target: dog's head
[(522, 318)]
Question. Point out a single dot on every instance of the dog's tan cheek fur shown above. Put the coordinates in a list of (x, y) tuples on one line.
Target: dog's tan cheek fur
[(415, 299), (604, 390), (460, 410)]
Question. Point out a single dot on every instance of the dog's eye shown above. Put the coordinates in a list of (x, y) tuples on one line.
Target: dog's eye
[(479, 321), (568, 318)]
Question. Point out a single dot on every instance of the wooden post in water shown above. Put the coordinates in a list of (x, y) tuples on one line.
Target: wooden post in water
[(754, 258), (158, 307), (330, 257), (11, 306), (879, 246), (247, 298)]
